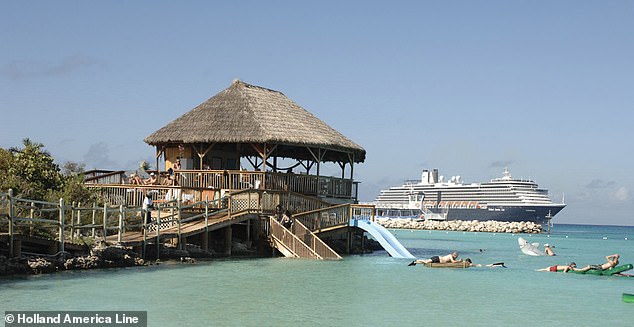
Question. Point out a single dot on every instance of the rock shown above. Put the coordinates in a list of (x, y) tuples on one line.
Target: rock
[(466, 225)]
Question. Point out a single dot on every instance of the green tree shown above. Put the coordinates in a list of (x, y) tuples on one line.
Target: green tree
[(32, 171), (74, 189)]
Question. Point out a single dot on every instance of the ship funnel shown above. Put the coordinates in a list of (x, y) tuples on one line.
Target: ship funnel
[(434, 176), (424, 178)]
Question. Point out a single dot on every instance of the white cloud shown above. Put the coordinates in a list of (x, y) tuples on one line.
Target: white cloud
[(22, 69), (622, 194)]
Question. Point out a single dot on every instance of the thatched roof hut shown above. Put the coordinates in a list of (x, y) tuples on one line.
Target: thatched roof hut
[(257, 120)]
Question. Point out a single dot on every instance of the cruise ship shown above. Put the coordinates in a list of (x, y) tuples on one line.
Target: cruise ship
[(502, 199)]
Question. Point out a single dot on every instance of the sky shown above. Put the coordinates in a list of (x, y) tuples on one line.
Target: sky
[(545, 88)]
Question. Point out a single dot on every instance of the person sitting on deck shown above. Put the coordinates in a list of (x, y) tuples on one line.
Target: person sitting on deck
[(548, 250), (612, 261), (287, 219), (135, 179), (152, 180), (564, 268), (170, 180), (452, 257)]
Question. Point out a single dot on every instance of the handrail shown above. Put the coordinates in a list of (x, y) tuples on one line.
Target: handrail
[(291, 241), (314, 242), (106, 175), (322, 186)]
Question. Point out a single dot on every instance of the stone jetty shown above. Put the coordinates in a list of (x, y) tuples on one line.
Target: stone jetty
[(463, 225)]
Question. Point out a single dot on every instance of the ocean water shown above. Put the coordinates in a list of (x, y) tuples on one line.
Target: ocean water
[(361, 290)]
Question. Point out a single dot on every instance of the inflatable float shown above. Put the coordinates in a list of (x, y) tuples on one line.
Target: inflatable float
[(529, 248), (628, 298), (462, 264), (608, 272)]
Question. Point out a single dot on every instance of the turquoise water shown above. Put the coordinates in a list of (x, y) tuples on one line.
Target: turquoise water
[(368, 290)]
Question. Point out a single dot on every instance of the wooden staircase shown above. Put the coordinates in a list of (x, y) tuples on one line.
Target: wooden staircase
[(299, 242)]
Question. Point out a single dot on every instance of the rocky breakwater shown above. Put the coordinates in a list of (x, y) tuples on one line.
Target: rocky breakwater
[(101, 256), (464, 225)]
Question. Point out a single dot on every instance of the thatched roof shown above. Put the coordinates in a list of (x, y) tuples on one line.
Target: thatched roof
[(245, 113)]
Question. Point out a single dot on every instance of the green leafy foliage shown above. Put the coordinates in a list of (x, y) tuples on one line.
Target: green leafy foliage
[(33, 174)]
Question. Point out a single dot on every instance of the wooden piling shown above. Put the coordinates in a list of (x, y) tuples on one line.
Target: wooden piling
[(105, 221), (78, 220), (11, 217), (158, 233), (228, 240), (121, 213), (32, 215), (72, 221), (180, 237), (94, 216), (61, 226)]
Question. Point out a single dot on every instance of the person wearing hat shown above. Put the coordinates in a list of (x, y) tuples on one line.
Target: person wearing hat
[(152, 180), (548, 250)]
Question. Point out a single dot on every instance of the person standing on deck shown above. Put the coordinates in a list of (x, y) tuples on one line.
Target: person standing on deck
[(279, 212), (147, 208)]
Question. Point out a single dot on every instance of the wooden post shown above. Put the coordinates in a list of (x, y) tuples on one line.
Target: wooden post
[(11, 217), (178, 217), (228, 240), (105, 221), (61, 225), (72, 221), (352, 167), (158, 171), (229, 207), (144, 223), (249, 231), (94, 218), (120, 238), (158, 233), (363, 243), (249, 201), (32, 215), (207, 214), (205, 237), (79, 220)]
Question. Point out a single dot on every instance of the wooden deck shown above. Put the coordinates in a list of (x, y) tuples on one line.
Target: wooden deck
[(218, 221), (33, 245)]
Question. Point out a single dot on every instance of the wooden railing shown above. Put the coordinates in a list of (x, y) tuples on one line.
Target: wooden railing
[(104, 177), (289, 240), (264, 202), (133, 195), (334, 216), (323, 186), (69, 222), (314, 242), (107, 220), (66, 222)]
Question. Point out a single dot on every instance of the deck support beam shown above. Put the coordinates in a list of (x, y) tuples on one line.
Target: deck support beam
[(227, 249), (205, 241)]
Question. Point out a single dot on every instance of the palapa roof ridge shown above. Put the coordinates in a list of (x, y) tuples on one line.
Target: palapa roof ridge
[(246, 113)]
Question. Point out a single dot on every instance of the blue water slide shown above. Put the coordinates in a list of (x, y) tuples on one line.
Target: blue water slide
[(384, 237)]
